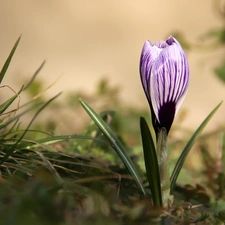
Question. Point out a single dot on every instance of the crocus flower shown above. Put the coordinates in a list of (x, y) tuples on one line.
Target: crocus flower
[(164, 74)]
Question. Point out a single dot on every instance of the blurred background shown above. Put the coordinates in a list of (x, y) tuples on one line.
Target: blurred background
[(86, 41)]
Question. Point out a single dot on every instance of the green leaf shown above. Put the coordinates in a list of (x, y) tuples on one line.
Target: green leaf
[(34, 76), (188, 147), (115, 144), (151, 163), (55, 139), (6, 104), (10, 149), (7, 62), (14, 118)]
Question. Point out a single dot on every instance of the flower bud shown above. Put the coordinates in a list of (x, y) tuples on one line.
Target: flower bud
[(164, 74)]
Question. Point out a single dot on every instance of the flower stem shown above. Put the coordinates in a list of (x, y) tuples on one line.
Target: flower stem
[(162, 155)]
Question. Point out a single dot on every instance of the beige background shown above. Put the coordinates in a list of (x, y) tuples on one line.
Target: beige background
[(85, 40)]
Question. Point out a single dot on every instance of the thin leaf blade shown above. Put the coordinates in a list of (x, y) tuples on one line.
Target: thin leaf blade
[(10, 149), (115, 143), (188, 147), (151, 163), (8, 60), (6, 104)]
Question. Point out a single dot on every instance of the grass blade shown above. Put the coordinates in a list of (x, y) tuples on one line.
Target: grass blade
[(6, 104), (5, 124), (188, 147), (115, 144), (151, 163), (10, 149), (7, 62), (30, 144), (50, 167), (34, 75)]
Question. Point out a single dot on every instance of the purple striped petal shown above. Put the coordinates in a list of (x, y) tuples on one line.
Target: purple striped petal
[(148, 56), (165, 78)]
